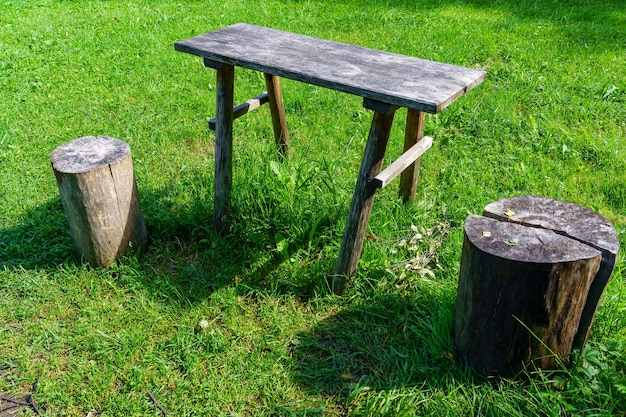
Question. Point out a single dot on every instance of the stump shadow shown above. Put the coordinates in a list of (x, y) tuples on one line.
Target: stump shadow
[(42, 240)]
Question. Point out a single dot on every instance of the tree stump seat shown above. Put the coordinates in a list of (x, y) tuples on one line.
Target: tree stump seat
[(533, 270), (99, 194)]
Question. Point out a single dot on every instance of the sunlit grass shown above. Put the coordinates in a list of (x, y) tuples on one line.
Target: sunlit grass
[(549, 120)]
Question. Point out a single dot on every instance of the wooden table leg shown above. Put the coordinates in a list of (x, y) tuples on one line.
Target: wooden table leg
[(363, 198), (413, 133), (277, 108), (223, 148)]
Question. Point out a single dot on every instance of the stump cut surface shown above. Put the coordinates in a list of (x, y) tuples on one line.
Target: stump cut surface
[(88, 153), (533, 270)]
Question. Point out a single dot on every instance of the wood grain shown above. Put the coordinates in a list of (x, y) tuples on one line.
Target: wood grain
[(402, 163), (279, 118), (97, 185), (575, 222), (244, 108), (413, 134), (522, 291), (362, 200), (223, 181), (392, 78)]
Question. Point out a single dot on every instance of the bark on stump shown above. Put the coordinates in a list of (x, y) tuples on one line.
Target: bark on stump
[(532, 274), (100, 199)]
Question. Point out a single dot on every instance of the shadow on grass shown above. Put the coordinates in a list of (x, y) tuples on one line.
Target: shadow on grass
[(41, 241), (388, 343), (191, 259), (568, 24), (579, 20), (186, 260)]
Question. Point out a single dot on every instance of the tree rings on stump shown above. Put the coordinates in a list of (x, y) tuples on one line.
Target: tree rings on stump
[(526, 287), (99, 194)]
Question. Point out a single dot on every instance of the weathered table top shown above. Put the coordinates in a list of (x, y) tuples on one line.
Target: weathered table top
[(387, 77)]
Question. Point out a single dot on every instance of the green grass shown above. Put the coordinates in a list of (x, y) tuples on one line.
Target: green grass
[(550, 120)]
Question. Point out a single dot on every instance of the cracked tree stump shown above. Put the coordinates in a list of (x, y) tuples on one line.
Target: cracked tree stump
[(99, 194), (532, 274)]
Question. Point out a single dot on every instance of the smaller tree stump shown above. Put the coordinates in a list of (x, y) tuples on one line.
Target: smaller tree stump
[(530, 273), (99, 194)]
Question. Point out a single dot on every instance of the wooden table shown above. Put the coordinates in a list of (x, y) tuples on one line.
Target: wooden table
[(386, 81)]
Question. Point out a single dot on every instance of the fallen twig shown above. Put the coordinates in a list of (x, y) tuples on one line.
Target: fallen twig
[(8, 407), (13, 400), (34, 387), (30, 399), (154, 400)]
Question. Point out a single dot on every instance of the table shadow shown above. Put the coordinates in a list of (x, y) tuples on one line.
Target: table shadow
[(186, 260), (379, 344)]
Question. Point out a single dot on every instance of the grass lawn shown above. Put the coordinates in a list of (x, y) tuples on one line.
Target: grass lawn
[(549, 120)]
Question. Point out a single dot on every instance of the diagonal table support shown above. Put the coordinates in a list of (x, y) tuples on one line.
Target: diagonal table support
[(277, 109), (363, 197)]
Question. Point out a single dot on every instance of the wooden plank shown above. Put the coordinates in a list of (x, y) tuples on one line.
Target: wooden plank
[(245, 108), (277, 109), (387, 77), (362, 201), (400, 164), (379, 106), (223, 181), (413, 133)]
